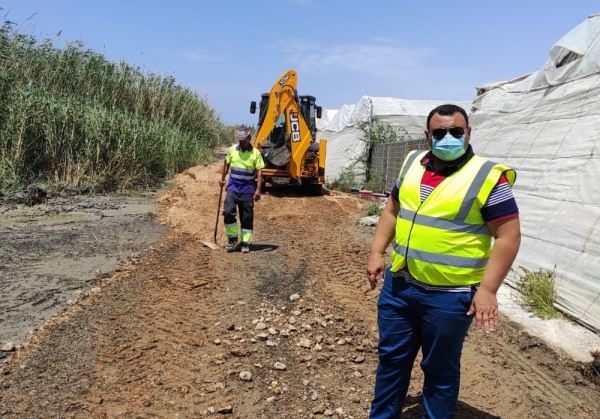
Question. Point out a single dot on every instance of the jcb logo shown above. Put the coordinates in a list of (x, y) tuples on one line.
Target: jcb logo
[(283, 80), (295, 126)]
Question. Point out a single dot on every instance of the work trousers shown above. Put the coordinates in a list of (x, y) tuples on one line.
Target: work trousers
[(244, 202), (411, 317)]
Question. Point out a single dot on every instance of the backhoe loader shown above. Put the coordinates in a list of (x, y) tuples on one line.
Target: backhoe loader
[(286, 136)]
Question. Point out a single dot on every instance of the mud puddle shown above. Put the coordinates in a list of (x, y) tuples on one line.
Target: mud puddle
[(51, 252)]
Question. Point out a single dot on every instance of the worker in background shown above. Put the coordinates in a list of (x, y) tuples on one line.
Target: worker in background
[(444, 210), (243, 189)]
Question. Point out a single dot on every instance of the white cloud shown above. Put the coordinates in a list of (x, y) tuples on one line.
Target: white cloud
[(378, 58), (201, 56)]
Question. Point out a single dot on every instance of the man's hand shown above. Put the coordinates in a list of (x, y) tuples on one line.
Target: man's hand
[(485, 309), (256, 196), (221, 182), (375, 268)]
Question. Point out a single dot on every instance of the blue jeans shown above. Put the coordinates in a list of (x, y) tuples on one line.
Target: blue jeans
[(410, 318)]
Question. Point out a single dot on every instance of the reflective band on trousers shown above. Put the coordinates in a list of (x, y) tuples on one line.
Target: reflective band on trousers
[(450, 225), (231, 230), (458, 261), (246, 235)]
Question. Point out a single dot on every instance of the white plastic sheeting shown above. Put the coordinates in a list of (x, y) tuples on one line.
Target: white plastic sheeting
[(345, 138), (547, 127)]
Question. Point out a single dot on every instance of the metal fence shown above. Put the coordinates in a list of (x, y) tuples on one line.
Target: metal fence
[(385, 162)]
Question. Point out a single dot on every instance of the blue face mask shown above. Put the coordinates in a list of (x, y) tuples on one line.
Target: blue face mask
[(448, 148)]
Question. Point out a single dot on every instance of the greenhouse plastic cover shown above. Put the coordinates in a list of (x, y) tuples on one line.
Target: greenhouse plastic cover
[(345, 138), (547, 127)]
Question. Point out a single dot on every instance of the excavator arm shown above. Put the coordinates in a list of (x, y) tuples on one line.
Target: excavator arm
[(283, 100)]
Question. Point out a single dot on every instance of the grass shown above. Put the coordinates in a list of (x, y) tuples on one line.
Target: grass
[(344, 182), (70, 117), (538, 291), (375, 181), (592, 370), (373, 209)]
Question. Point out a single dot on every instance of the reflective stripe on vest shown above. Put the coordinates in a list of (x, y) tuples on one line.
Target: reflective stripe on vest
[(242, 173), (460, 261), (444, 239)]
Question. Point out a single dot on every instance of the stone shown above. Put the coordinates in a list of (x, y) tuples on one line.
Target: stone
[(318, 410), (272, 331), (304, 343), (262, 336), (226, 410), (292, 320), (239, 352), (246, 376), (9, 347), (294, 297), (271, 344), (280, 366), (313, 395), (369, 221), (261, 326), (217, 341), (359, 359), (270, 399), (328, 412)]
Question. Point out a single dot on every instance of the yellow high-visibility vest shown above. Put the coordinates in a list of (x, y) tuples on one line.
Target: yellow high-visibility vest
[(243, 165), (444, 240)]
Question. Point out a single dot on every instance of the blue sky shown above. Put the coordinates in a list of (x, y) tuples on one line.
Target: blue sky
[(231, 51)]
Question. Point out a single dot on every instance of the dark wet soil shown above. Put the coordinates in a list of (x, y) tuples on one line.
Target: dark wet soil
[(51, 252)]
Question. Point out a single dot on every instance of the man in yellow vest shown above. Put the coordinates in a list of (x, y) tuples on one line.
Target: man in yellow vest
[(243, 189), (445, 209)]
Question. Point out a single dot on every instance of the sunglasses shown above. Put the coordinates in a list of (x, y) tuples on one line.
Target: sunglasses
[(440, 133)]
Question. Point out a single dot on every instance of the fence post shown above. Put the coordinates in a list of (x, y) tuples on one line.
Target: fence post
[(385, 166)]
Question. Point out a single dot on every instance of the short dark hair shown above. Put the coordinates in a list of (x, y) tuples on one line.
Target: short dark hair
[(447, 110)]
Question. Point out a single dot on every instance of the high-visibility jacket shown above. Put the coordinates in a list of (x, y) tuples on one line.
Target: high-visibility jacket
[(444, 240), (243, 166)]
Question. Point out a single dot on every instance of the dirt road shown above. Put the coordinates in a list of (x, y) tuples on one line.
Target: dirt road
[(286, 331)]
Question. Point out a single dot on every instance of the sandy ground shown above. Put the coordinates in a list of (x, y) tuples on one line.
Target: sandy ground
[(286, 331)]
